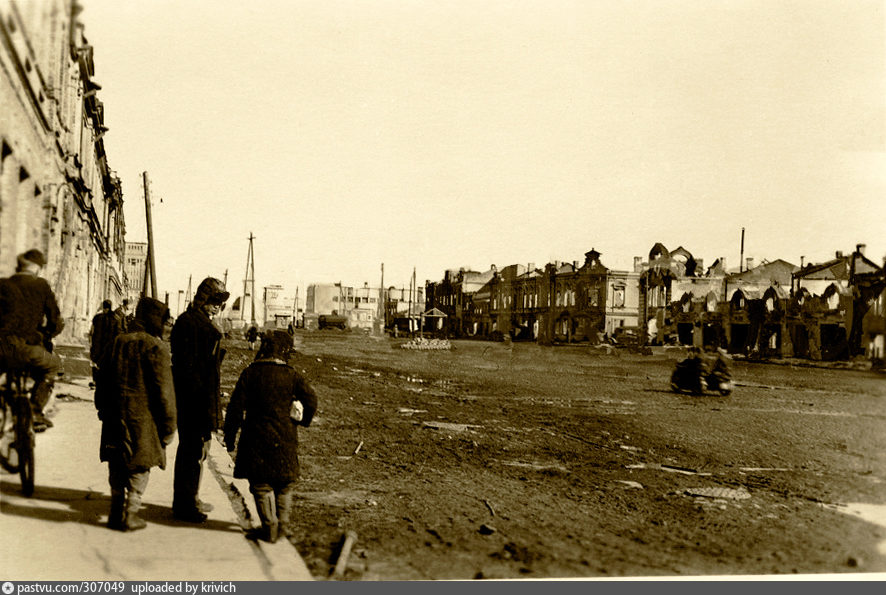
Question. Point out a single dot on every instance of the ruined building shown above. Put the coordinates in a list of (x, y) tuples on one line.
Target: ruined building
[(57, 191)]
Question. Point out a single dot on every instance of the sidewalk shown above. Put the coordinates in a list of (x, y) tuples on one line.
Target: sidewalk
[(60, 533)]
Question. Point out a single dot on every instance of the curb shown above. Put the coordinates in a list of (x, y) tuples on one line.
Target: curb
[(285, 561)]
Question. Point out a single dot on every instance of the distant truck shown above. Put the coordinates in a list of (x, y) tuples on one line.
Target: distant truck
[(332, 321)]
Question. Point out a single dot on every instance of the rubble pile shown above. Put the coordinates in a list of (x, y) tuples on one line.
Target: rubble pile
[(427, 344)]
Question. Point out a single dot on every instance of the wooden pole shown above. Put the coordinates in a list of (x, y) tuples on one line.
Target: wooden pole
[(383, 306), (153, 270)]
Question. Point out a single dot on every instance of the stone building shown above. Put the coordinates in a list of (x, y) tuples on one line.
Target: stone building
[(135, 263), (57, 191)]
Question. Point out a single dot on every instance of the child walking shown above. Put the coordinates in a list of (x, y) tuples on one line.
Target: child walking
[(269, 402)]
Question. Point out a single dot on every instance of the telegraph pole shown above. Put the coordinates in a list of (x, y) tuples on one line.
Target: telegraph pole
[(249, 284), (150, 269), (382, 306)]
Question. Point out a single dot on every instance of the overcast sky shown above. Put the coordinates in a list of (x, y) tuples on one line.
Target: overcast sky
[(462, 133)]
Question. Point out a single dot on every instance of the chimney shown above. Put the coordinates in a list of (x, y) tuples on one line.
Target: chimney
[(860, 248), (723, 263), (839, 254), (575, 264), (749, 263), (638, 263), (492, 268), (531, 266), (802, 258)]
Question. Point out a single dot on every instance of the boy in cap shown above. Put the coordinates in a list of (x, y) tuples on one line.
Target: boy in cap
[(137, 409), (26, 300), (270, 401), (196, 363)]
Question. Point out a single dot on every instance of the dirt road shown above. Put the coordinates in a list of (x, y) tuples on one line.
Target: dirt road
[(505, 461)]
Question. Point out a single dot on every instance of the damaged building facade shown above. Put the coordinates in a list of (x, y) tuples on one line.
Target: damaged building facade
[(825, 311), (563, 302), (774, 309), (57, 191)]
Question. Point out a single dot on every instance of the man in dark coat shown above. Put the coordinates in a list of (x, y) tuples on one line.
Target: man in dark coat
[(270, 401), (123, 316), (26, 301), (251, 337), (196, 361), (137, 409), (105, 328)]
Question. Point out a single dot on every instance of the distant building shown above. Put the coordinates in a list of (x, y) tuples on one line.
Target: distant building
[(359, 304), (279, 308), (135, 262), (623, 300)]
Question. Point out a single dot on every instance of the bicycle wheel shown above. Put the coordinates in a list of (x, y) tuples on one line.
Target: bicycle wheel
[(8, 443), (24, 438)]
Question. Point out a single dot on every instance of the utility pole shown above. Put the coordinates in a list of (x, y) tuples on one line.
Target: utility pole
[(741, 257), (382, 306), (249, 284), (150, 268), (188, 293)]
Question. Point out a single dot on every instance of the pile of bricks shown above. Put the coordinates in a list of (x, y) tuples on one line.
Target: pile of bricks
[(427, 344)]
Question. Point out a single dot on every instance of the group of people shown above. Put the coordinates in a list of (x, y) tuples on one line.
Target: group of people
[(146, 390)]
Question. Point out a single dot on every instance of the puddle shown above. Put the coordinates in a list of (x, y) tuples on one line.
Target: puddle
[(871, 513)]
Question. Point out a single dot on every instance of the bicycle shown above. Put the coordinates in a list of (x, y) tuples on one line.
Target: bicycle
[(17, 434)]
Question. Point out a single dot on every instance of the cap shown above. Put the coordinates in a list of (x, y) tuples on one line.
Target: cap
[(211, 291), (32, 256)]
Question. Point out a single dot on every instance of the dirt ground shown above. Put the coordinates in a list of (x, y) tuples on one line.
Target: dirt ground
[(507, 461)]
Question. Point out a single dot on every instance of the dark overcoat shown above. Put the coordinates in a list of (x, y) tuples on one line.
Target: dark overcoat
[(137, 400), (105, 328), (196, 359), (260, 409)]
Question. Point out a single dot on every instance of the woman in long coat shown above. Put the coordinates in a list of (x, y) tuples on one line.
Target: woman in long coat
[(136, 403), (270, 401)]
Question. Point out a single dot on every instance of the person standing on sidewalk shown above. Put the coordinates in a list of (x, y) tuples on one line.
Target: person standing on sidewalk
[(105, 328), (137, 409), (196, 363), (270, 401)]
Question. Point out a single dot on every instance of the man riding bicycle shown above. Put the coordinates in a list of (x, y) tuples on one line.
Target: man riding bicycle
[(26, 301)]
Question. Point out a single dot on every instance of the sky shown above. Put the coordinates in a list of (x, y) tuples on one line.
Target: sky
[(434, 135)]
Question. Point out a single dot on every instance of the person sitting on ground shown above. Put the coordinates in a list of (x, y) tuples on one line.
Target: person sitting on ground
[(26, 300), (137, 409), (271, 399)]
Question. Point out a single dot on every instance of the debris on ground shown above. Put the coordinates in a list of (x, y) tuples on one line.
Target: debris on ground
[(427, 344), (487, 529), (720, 493), (440, 425), (668, 468)]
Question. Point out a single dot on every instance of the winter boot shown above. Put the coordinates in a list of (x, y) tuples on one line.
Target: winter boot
[(267, 513), (116, 516), (133, 522), (284, 511)]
